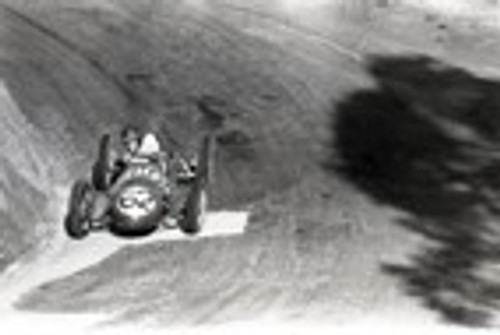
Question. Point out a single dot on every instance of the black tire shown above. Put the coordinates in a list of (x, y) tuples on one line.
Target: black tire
[(76, 222), (204, 168), (194, 213), (101, 168), (195, 209)]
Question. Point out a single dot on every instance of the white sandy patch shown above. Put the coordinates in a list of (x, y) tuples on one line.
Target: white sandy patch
[(63, 256), (300, 5)]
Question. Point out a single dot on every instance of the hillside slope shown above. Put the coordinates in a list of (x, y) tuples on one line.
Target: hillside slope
[(271, 86)]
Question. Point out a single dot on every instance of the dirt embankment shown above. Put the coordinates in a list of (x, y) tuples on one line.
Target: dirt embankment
[(268, 85), (76, 71), (268, 74)]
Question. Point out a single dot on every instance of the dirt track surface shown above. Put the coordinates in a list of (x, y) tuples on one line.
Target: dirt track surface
[(315, 247)]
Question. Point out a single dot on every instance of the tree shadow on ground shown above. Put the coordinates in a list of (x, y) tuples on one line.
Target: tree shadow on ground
[(426, 140)]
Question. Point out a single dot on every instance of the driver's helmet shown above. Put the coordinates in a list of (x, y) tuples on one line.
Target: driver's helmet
[(150, 146)]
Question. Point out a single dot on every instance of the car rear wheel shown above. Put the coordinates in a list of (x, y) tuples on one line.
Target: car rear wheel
[(76, 222), (101, 168), (194, 213)]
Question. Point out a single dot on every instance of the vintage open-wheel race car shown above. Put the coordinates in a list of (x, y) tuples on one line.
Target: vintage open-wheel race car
[(142, 198)]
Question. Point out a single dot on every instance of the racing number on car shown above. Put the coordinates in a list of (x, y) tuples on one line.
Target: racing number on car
[(146, 171), (137, 202)]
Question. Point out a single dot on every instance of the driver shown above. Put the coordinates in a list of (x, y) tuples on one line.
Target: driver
[(147, 148), (138, 149)]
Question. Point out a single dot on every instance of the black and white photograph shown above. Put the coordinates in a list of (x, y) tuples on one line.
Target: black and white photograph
[(249, 166)]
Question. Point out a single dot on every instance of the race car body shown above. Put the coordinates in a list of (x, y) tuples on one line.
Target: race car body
[(140, 198)]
